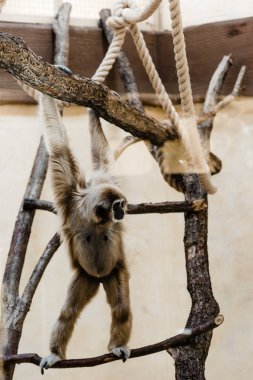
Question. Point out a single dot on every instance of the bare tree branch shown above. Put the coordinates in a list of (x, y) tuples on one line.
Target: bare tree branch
[(175, 341), (61, 31), (132, 209), (216, 83), (25, 65), (206, 125), (33, 204), (226, 100), (190, 359), (38, 271), (22, 230)]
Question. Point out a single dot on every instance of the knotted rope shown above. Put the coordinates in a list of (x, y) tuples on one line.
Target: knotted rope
[(127, 14)]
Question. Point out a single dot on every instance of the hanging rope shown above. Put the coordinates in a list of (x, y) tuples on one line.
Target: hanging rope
[(188, 151), (185, 90), (127, 14)]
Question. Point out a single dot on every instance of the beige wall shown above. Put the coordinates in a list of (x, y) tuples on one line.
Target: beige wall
[(197, 12), (154, 249)]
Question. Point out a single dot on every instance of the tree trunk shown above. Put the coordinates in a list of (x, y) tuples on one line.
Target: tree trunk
[(190, 359)]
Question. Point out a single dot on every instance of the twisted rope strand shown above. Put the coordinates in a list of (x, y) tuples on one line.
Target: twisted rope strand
[(181, 59), (126, 14), (154, 76), (111, 55), (184, 82)]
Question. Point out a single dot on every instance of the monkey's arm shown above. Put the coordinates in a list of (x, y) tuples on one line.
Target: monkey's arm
[(100, 151), (64, 170)]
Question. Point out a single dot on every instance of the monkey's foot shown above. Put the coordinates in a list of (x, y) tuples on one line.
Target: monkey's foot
[(122, 352), (48, 362)]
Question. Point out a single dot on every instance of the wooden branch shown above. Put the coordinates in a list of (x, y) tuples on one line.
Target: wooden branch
[(38, 271), (132, 209), (22, 229), (190, 358), (177, 340), (162, 208), (25, 65), (12, 316), (216, 83), (33, 204), (206, 125), (61, 31), (226, 100)]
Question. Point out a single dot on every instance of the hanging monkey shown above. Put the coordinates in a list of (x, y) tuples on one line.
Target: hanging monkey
[(90, 213)]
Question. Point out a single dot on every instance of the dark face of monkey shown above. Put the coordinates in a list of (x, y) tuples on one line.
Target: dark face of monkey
[(112, 208), (118, 209)]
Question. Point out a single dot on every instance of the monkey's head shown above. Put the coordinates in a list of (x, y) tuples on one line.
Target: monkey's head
[(110, 206)]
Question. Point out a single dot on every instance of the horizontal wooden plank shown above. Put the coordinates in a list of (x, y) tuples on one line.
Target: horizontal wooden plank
[(206, 44)]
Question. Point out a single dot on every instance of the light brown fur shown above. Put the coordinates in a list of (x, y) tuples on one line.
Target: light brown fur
[(88, 211)]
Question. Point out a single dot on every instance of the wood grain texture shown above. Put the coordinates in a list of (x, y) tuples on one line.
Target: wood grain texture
[(206, 45)]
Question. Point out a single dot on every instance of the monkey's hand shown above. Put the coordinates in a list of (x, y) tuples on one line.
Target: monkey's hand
[(48, 362), (122, 352)]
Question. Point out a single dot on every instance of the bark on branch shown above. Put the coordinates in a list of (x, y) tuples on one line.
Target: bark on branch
[(25, 65), (180, 339), (61, 31), (39, 269), (22, 230)]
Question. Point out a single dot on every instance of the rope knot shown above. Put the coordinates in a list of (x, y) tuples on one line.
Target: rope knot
[(118, 20), (126, 13)]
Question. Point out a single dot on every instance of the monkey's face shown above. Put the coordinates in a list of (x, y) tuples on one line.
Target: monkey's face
[(111, 207), (113, 212), (118, 210)]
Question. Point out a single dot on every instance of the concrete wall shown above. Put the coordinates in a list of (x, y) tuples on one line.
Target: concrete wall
[(155, 252)]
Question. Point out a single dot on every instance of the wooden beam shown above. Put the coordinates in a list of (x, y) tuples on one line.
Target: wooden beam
[(206, 44)]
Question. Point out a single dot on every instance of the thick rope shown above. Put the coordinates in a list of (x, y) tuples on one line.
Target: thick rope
[(181, 59), (154, 76), (110, 57), (184, 82), (127, 14)]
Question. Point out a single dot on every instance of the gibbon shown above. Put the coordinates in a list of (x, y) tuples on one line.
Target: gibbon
[(89, 214)]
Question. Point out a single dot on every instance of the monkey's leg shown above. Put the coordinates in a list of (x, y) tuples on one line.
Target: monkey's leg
[(117, 292), (81, 289)]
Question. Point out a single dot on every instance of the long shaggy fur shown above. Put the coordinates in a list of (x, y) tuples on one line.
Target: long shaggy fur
[(88, 213)]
